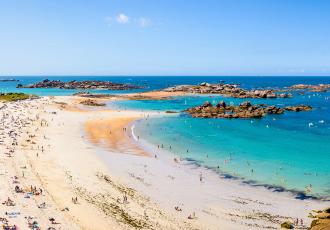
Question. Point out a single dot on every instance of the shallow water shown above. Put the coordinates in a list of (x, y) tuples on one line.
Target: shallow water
[(290, 150)]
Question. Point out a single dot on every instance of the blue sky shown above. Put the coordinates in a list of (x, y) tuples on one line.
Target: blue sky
[(165, 37)]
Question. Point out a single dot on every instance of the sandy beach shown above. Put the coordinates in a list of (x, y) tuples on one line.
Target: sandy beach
[(165, 115), (68, 166)]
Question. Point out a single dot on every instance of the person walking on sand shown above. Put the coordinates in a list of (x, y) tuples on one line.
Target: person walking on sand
[(125, 199), (74, 200)]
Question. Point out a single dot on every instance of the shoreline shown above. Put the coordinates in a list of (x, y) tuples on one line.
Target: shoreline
[(297, 194), (73, 163), (284, 194)]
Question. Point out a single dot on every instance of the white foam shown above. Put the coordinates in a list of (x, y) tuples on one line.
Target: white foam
[(133, 134)]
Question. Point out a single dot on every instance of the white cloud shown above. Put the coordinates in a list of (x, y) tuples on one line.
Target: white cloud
[(144, 22), (122, 19)]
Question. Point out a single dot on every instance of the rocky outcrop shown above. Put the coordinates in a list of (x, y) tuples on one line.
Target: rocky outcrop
[(298, 108), (8, 80), (80, 85), (244, 110), (170, 111), (313, 88), (287, 225), (90, 102), (231, 90), (321, 221)]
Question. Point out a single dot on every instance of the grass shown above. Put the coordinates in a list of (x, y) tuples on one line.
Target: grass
[(13, 96)]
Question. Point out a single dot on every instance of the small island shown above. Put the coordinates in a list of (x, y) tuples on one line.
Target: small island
[(243, 110), (89, 84), (312, 88), (8, 80), (230, 90)]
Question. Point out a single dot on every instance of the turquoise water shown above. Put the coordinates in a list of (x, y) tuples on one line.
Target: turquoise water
[(283, 152), (289, 151)]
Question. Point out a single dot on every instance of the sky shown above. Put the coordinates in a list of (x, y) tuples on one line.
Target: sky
[(165, 37)]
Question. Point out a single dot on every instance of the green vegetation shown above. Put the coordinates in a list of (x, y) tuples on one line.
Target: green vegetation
[(13, 96)]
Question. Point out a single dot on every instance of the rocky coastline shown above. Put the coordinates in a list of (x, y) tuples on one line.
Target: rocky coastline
[(83, 85), (243, 110), (321, 219), (230, 90)]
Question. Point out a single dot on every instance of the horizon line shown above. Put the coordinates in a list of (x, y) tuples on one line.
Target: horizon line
[(111, 75)]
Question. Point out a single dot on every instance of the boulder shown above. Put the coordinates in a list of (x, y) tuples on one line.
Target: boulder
[(207, 104), (284, 95), (287, 225), (298, 108), (322, 221), (245, 104), (271, 95), (323, 215), (327, 210), (221, 104)]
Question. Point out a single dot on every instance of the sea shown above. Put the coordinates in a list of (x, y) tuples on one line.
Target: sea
[(288, 152)]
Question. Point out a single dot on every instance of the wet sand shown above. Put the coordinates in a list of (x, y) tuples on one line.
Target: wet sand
[(112, 134)]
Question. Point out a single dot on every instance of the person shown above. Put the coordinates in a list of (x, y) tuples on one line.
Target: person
[(18, 189), (74, 200), (192, 216), (177, 208), (42, 205), (125, 199)]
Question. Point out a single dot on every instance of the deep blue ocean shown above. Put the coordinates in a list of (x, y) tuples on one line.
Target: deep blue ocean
[(290, 151)]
